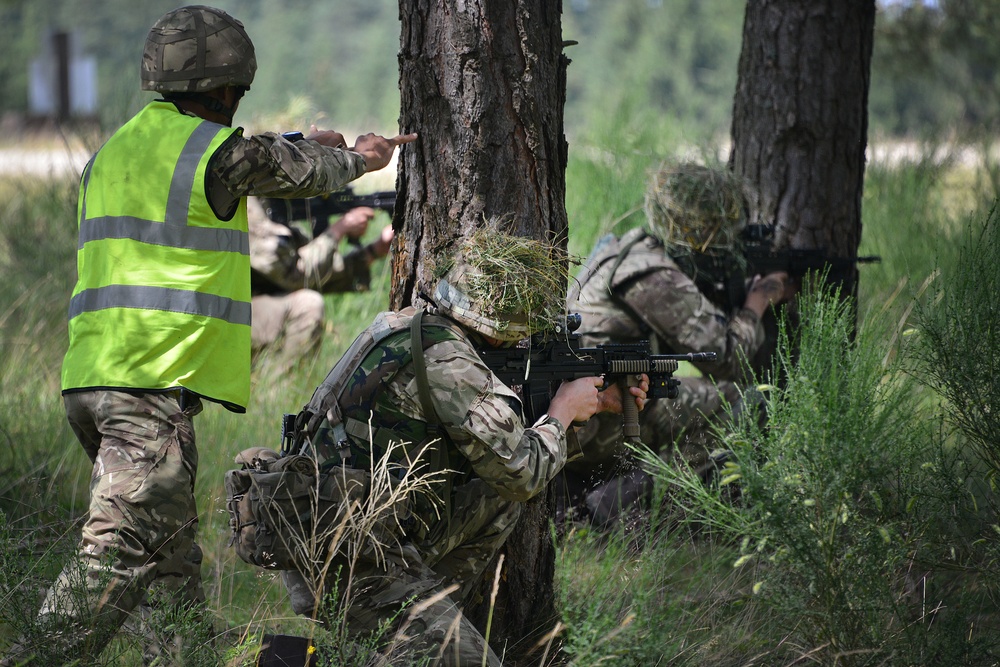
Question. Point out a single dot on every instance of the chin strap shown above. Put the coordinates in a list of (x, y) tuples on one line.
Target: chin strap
[(213, 104)]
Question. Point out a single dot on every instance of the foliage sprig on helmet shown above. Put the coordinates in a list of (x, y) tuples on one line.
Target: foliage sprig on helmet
[(503, 286), (699, 213)]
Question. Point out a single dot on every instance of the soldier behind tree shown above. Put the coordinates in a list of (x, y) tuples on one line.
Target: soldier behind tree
[(665, 283), (290, 273)]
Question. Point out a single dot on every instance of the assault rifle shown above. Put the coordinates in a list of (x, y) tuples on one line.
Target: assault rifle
[(763, 259), (556, 355), (317, 210), (723, 281)]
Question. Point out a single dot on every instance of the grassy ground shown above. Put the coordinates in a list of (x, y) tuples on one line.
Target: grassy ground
[(678, 601)]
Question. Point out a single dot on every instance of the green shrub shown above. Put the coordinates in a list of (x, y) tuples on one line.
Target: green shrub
[(851, 503), (958, 347)]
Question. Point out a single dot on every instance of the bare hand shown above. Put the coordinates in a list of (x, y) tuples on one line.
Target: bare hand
[(381, 245), (352, 224), (377, 150), (611, 398), (576, 400), (770, 290), (327, 137)]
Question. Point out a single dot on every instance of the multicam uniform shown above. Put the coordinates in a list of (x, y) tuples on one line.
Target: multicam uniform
[(632, 290), (289, 275), (130, 404), (497, 464)]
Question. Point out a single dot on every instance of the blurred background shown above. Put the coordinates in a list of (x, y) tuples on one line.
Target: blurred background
[(933, 71)]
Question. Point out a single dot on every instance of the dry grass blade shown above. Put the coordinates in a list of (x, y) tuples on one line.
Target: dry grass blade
[(355, 525)]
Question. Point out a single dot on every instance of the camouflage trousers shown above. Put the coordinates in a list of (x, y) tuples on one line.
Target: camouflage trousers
[(140, 529), (420, 586), (286, 328)]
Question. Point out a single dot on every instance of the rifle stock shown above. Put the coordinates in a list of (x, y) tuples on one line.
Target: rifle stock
[(317, 210), (557, 355)]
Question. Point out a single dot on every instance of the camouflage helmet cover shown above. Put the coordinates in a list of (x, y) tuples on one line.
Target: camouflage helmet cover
[(197, 48), (695, 209), (504, 286)]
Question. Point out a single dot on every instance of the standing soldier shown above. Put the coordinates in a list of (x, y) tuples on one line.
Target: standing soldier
[(666, 283), (423, 384), (160, 317)]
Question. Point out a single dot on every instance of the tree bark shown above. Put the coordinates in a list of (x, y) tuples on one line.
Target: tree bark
[(483, 83), (800, 121)]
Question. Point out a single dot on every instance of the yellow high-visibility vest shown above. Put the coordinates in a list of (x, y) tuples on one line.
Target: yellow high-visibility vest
[(163, 295)]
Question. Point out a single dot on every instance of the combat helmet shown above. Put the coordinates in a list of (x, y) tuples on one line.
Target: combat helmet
[(194, 49), (699, 213), (503, 286)]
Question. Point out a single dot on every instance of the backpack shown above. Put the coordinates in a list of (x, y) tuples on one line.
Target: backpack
[(284, 514), (286, 508)]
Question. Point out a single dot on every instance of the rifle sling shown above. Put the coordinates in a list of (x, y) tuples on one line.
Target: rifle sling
[(637, 236)]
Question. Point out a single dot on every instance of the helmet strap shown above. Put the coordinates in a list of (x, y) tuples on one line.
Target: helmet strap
[(209, 103)]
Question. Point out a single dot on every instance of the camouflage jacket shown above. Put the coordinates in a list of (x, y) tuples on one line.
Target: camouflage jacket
[(284, 259), (646, 296), (475, 414)]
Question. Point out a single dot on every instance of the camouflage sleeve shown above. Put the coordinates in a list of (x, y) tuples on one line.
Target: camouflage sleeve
[(268, 165), (481, 417), (676, 310), (273, 249), (291, 263)]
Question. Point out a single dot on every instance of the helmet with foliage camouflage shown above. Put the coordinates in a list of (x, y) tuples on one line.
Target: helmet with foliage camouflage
[(697, 210), (197, 48), (503, 286)]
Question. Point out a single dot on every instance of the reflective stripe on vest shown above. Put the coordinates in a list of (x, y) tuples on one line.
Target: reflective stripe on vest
[(163, 296)]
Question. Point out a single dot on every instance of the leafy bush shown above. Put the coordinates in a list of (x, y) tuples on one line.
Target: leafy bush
[(959, 342), (851, 506)]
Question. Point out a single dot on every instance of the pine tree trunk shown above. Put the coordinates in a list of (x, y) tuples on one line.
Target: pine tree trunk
[(800, 121), (483, 82)]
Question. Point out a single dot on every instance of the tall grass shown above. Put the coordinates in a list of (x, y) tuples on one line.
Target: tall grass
[(857, 494), (854, 509), (37, 261)]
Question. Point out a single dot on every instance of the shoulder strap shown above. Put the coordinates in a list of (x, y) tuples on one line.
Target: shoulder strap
[(627, 243), (420, 368), (590, 267), (325, 401), (437, 451)]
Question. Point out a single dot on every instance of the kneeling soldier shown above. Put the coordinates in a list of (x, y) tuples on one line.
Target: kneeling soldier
[(423, 384)]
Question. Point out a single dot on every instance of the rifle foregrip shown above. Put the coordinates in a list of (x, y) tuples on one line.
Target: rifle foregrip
[(630, 411)]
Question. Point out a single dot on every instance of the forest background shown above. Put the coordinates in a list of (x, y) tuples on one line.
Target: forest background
[(648, 79), (933, 70)]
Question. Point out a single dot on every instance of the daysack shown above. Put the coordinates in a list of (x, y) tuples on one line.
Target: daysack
[(286, 507), (321, 426), (285, 514)]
